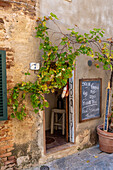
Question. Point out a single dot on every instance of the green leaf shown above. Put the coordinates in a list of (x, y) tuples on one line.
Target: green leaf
[(12, 115), (22, 88), (111, 67), (23, 95), (41, 46), (101, 34), (63, 43), (97, 65), (27, 73), (9, 101), (53, 15), (36, 110), (70, 29), (46, 104), (14, 96)]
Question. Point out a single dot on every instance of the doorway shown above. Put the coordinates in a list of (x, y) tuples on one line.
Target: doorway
[(58, 138)]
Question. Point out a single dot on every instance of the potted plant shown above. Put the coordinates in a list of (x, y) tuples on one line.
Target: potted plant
[(106, 136), (105, 140)]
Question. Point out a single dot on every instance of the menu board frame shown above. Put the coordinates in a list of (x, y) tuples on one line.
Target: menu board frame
[(80, 98)]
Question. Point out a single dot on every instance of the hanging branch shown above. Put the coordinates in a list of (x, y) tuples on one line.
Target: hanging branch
[(55, 76)]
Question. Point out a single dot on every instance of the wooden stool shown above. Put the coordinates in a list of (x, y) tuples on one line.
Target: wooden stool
[(55, 122)]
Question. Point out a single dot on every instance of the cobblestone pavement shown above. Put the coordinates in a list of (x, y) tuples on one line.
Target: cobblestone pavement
[(88, 159)]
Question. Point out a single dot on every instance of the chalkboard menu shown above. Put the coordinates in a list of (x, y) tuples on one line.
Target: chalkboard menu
[(90, 99)]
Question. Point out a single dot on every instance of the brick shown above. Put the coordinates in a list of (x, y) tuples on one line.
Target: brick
[(2, 127), (4, 130), (10, 149), (5, 4), (9, 86), (1, 21), (9, 55), (7, 146), (3, 168), (11, 157), (7, 66), (10, 63), (2, 151), (4, 159), (10, 162), (10, 81), (10, 134), (2, 134), (11, 165), (9, 50), (2, 144), (6, 122), (6, 138), (5, 155), (12, 168)]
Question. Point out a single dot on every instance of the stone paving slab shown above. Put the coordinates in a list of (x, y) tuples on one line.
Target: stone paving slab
[(88, 159)]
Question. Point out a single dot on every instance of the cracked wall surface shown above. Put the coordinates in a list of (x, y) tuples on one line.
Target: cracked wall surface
[(22, 142)]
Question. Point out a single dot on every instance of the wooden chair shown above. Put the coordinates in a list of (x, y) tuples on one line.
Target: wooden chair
[(55, 121)]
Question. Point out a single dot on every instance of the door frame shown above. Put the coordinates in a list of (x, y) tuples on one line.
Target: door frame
[(44, 133)]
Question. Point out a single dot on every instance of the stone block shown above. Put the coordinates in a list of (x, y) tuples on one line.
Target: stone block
[(2, 151), (6, 138), (11, 157), (3, 168), (5, 155), (4, 159), (1, 21), (10, 162), (22, 159), (2, 127), (10, 166), (5, 4), (10, 149)]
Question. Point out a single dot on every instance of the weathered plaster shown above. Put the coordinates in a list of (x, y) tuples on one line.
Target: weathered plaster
[(87, 14), (17, 37)]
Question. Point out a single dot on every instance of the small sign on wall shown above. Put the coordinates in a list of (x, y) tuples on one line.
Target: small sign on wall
[(90, 99), (34, 66)]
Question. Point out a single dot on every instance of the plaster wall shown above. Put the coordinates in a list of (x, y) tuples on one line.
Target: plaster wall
[(86, 15)]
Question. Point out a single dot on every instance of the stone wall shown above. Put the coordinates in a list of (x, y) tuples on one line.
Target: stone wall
[(6, 145), (18, 139), (6, 135)]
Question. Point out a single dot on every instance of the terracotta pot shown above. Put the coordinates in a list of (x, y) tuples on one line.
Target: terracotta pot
[(105, 140)]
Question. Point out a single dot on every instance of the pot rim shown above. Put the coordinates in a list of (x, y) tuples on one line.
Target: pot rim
[(102, 132)]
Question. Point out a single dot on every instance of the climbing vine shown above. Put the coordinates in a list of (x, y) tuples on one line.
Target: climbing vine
[(58, 62)]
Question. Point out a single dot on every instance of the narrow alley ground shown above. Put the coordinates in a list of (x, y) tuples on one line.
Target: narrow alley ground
[(88, 159)]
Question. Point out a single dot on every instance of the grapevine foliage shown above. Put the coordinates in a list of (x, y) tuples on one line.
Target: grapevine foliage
[(58, 62)]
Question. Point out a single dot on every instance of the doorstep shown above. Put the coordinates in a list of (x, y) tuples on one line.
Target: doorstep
[(58, 152)]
